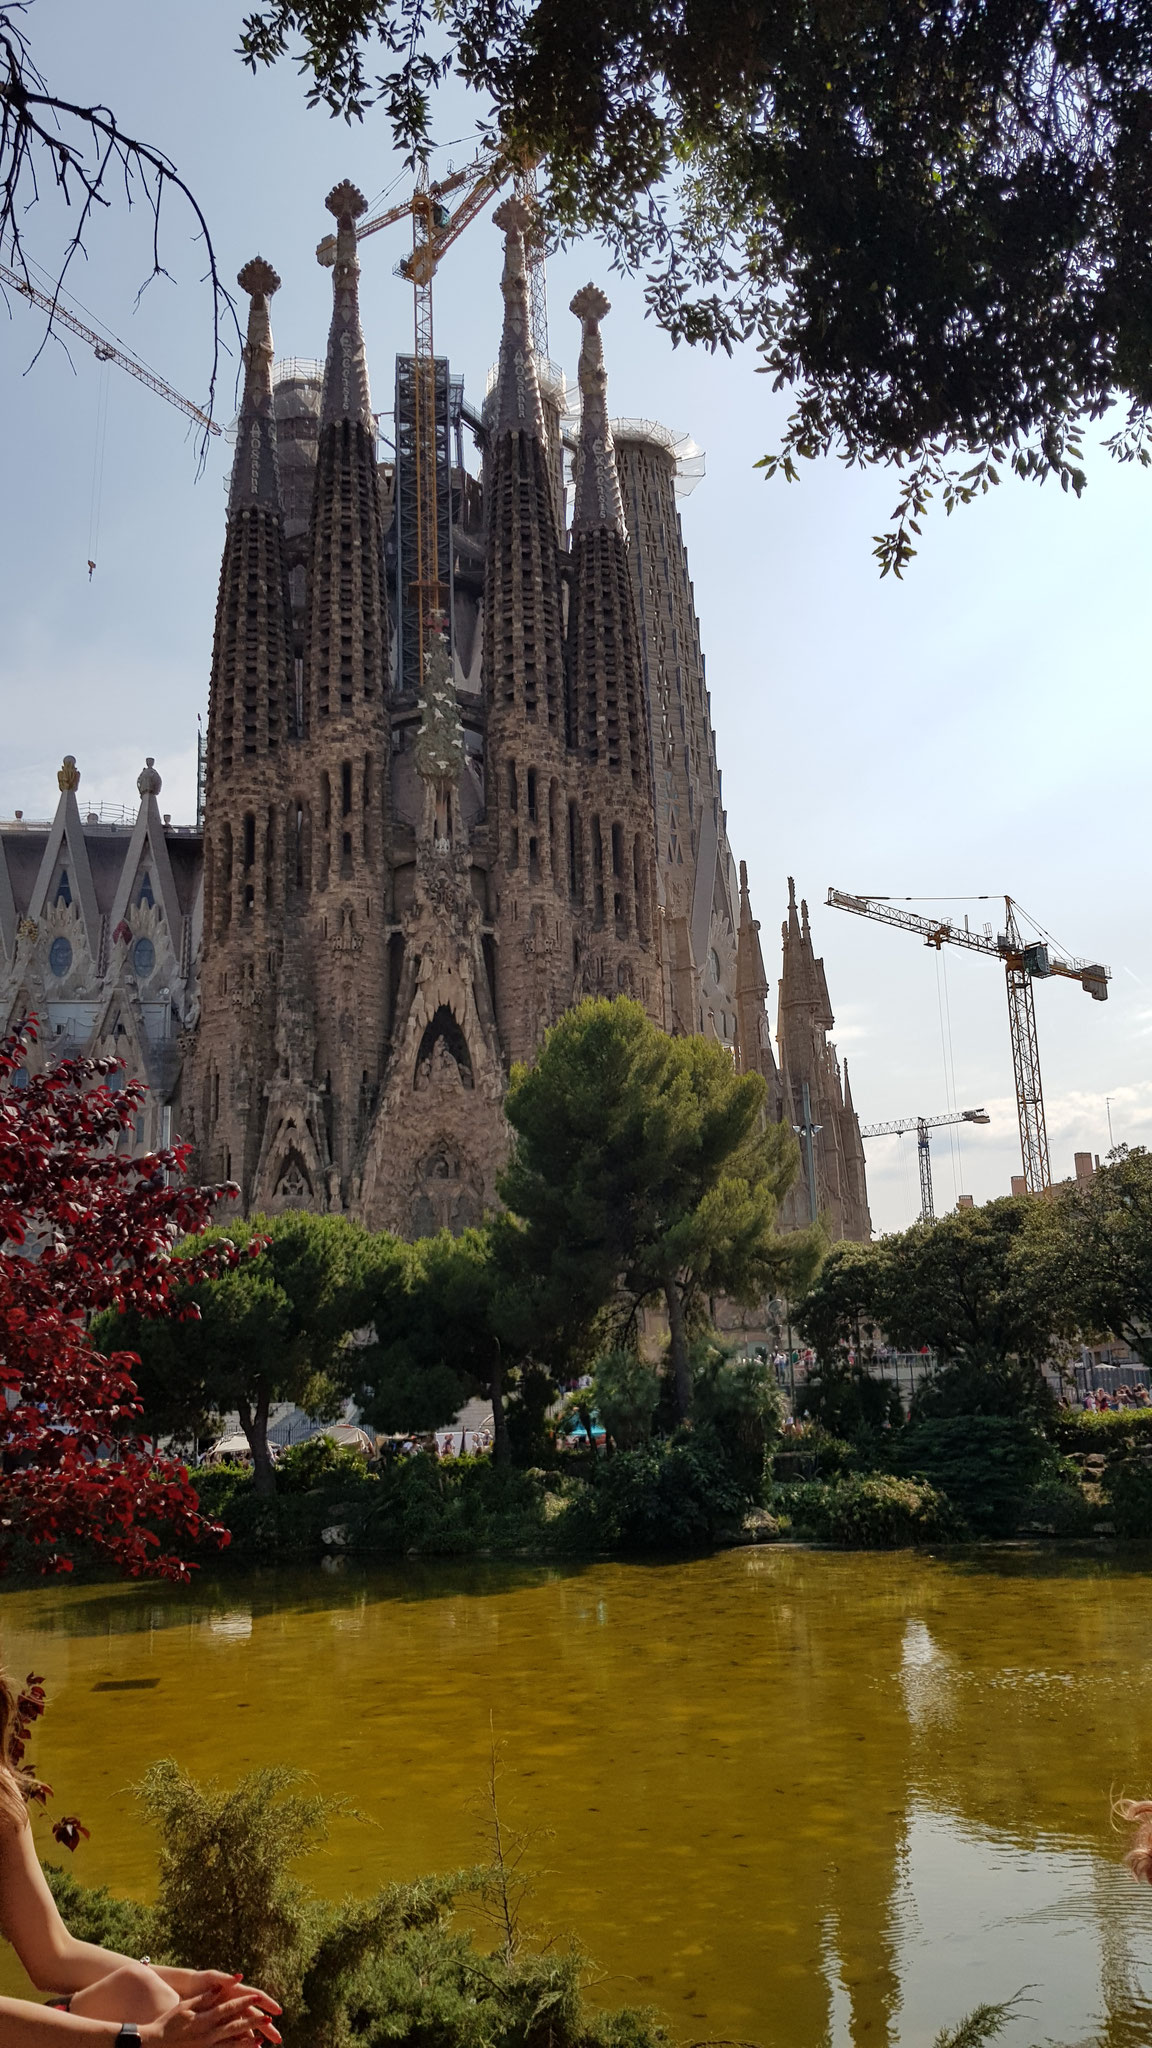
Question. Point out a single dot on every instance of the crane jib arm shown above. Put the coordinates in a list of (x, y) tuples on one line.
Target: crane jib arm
[(1034, 959)]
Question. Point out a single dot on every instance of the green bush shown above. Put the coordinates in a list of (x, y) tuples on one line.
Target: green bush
[(1058, 1506), (364, 1974), (869, 1511), (1109, 1433), (624, 1393), (812, 1452), (1007, 1387), (986, 1464), (738, 1400), (671, 1495), (1127, 1488), (847, 1399), (319, 1462)]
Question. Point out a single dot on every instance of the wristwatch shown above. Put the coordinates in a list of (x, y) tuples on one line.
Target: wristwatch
[(128, 2034)]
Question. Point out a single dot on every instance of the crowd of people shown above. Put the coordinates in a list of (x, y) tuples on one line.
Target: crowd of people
[(1098, 1401)]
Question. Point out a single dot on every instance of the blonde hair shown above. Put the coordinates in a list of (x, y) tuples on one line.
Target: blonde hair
[(18, 1785), (1137, 1814)]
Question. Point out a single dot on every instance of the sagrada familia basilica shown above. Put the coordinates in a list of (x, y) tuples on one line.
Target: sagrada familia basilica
[(419, 848)]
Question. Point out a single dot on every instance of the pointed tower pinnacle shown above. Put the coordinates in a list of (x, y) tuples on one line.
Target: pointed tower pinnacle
[(252, 652), (255, 473), (753, 1032), (518, 409), (346, 394), (606, 688), (598, 506), (523, 609)]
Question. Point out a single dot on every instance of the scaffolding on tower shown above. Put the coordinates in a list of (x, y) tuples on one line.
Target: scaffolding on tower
[(423, 421)]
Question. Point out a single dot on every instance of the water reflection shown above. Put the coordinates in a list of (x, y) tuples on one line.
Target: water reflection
[(796, 1797)]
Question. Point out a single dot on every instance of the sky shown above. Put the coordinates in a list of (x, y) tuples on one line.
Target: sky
[(981, 727)]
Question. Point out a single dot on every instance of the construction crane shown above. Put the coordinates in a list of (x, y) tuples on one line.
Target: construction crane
[(435, 227), (104, 350), (922, 1125), (1024, 961)]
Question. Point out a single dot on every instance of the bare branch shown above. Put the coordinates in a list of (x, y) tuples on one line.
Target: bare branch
[(84, 147)]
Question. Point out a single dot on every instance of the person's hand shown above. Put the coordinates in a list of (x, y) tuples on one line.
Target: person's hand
[(192, 1983), (211, 2020)]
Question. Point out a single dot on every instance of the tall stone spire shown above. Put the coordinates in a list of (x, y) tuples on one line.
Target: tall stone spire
[(526, 776), (252, 652), (614, 825), (809, 1062), (519, 408), (753, 1033), (255, 471), (340, 812), (249, 727), (608, 722), (348, 640), (597, 506), (523, 619), (346, 395)]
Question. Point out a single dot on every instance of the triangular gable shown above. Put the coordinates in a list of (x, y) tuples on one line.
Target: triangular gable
[(66, 843), (148, 847)]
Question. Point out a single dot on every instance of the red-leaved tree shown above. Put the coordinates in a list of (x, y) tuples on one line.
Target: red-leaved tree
[(85, 1227)]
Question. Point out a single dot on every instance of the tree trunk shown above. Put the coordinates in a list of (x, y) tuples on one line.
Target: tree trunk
[(254, 1423), (678, 1334), (501, 1448)]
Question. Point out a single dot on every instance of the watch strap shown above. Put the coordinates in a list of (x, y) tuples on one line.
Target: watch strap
[(129, 2033)]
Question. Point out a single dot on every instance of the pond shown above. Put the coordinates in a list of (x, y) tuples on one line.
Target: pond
[(794, 1797)]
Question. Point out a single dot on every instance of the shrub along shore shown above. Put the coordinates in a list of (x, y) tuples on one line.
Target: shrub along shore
[(940, 1479)]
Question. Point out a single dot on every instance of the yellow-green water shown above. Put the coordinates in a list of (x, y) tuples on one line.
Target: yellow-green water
[(795, 1797)]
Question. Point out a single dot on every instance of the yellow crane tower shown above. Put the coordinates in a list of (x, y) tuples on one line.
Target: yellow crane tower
[(1025, 961)]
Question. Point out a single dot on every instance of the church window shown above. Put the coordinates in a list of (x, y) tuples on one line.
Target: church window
[(60, 957), (63, 891), (513, 800), (532, 794), (143, 958), (345, 788), (249, 839), (249, 896), (617, 850), (144, 893)]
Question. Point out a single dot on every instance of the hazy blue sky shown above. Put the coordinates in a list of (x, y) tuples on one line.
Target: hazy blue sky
[(981, 727)]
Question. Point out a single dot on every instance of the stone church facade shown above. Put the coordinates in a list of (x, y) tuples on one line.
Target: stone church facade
[(430, 824)]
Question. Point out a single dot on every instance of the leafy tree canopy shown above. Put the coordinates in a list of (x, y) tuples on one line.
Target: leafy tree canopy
[(434, 1344), (1099, 1234), (643, 1169), (86, 1229), (272, 1329), (968, 1286), (935, 221)]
